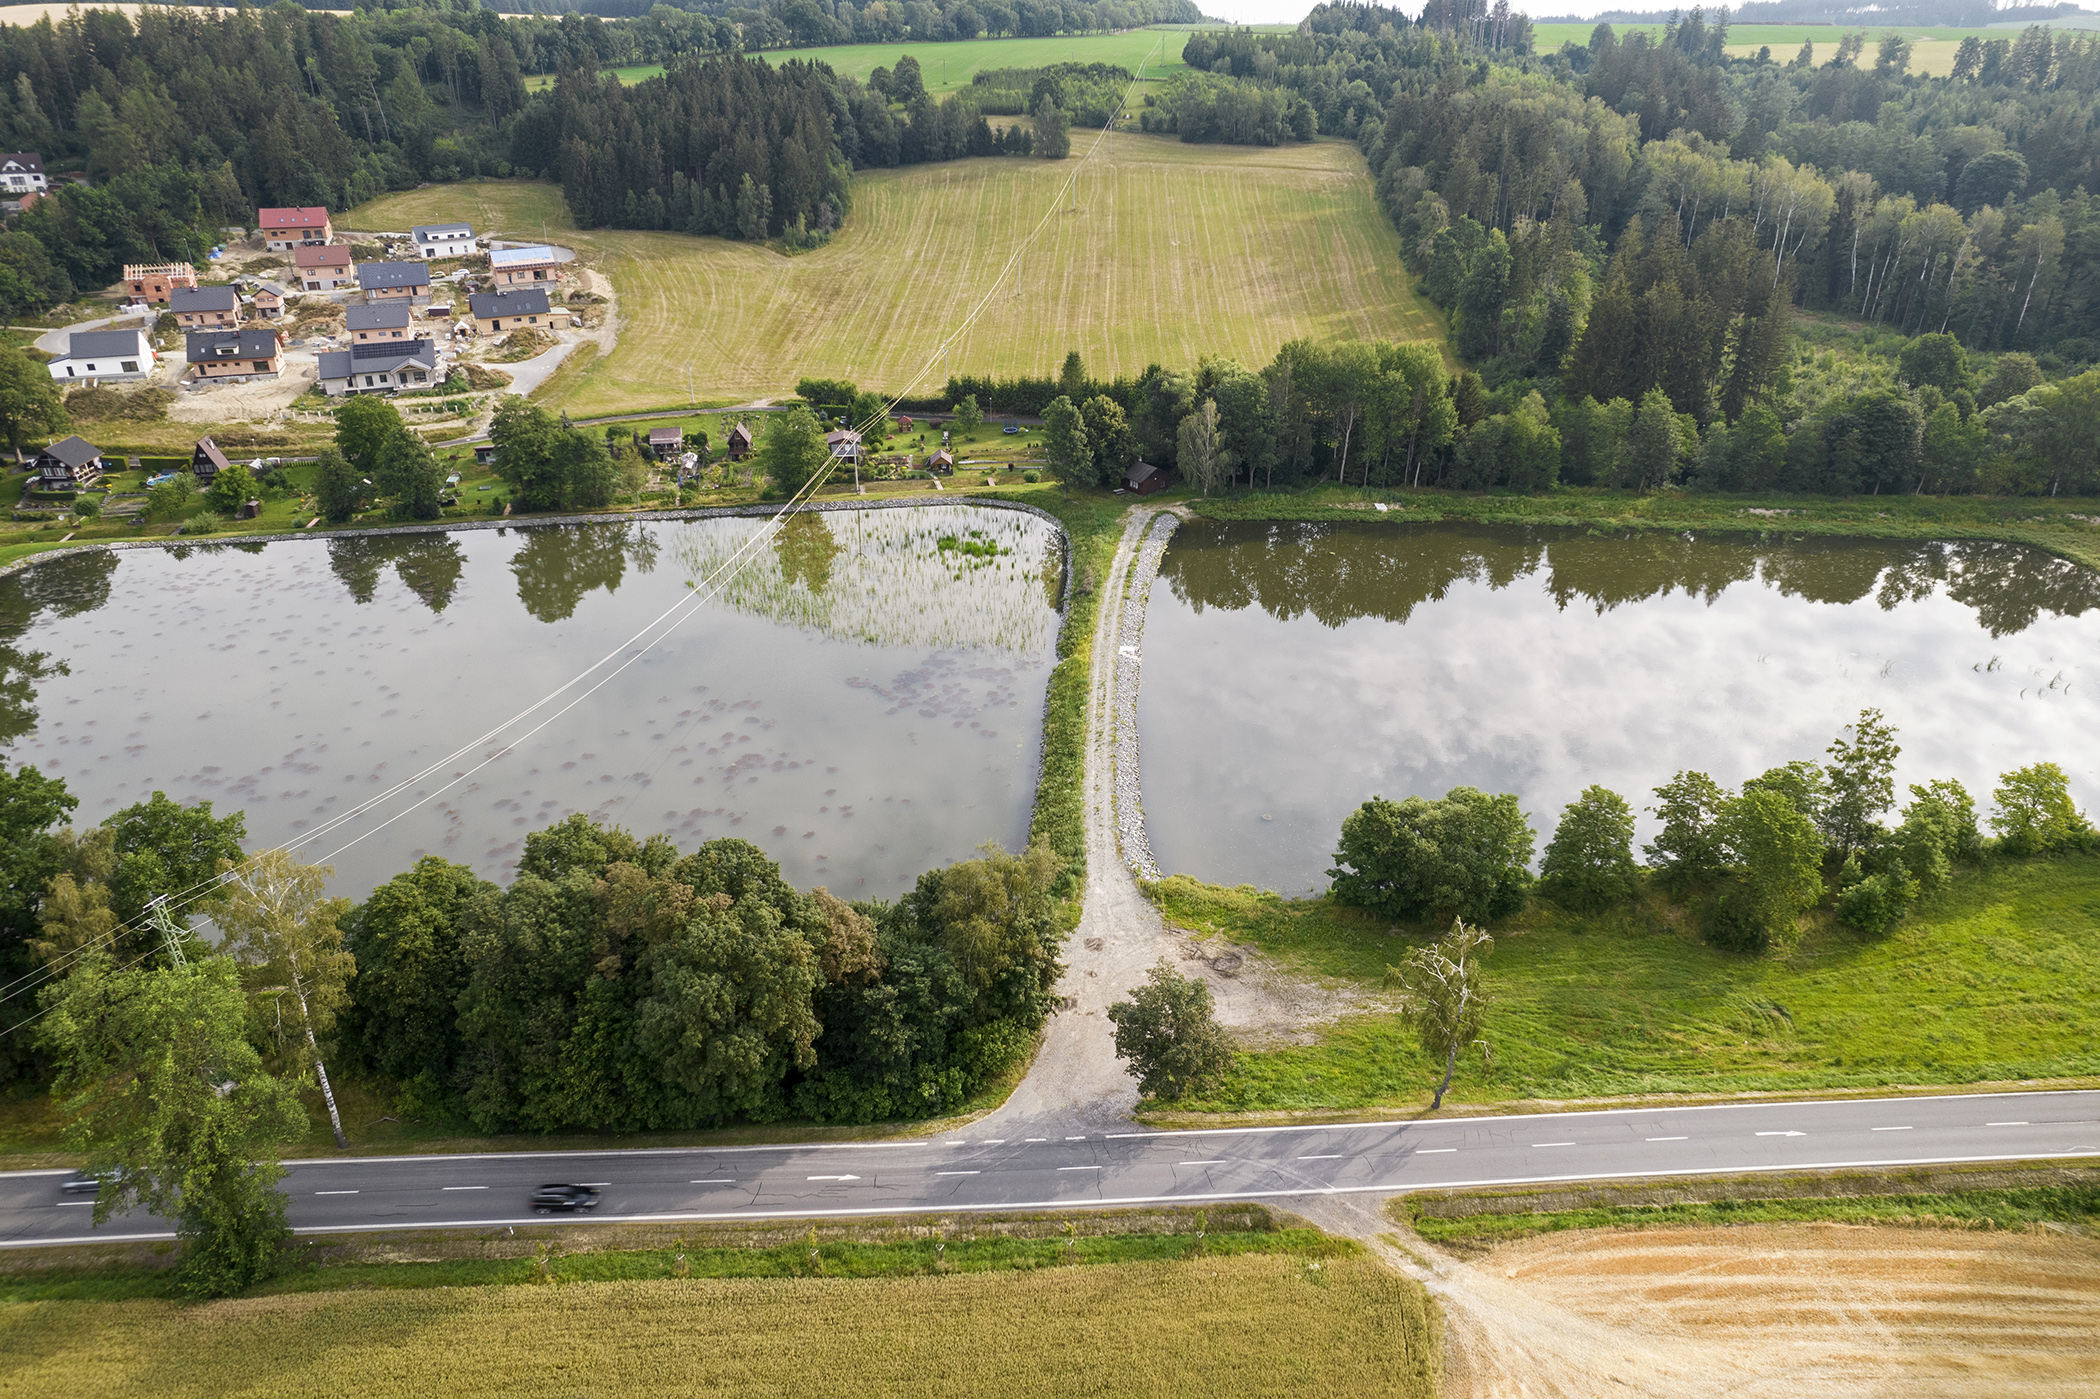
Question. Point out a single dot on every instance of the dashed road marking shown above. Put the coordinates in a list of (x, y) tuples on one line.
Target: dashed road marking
[(1335, 1157), (956, 1173), (834, 1177), (1079, 1168), (1782, 1134), (1669, 1139), (1553, 1143), (725, 1180), (463, 1187), (1888, 1129), (2005, 1124), (1219, 1162), (335, 1192), (1433, 1150)]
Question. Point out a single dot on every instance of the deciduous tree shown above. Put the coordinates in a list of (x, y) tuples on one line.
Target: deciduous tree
[(1447, 1001), (1168, 1035), (1589, 862), (1467, 853)]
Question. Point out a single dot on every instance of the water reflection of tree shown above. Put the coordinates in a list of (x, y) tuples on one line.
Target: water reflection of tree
[(805, 548), (429, 565), (557, 565), (1338, 573), (64, 587)]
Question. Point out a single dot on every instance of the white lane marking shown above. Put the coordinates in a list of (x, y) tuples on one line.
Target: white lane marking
[(1075, 1139), (335, 1192), (1553, 1143), (956, 1173), (2005, 1124), (834, 1177), (1669, 1139), (1179, 1197), (1433, 1150), (1335, 1157), (62, 1204), (1219, 1162), (463, 1187), (1888, 1129), (1079, 1168), (725, 1180), (993, 1141), (1782, 1134), (1035, 1139), (595, 1184), (955, 1143)]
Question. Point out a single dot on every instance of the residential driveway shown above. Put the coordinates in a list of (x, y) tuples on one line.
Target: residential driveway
[(528, 374), (57, 342)]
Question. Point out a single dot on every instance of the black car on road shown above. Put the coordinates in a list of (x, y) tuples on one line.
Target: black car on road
[(567, 1198)]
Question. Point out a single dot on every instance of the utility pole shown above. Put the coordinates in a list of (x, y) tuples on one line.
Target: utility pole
[(170, 935)]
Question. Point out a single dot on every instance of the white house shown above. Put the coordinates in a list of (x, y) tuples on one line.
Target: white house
[(22, 172), (436, 240), (105, 355)]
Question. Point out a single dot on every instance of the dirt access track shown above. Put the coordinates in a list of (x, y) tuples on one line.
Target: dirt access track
[(1783, 1309)]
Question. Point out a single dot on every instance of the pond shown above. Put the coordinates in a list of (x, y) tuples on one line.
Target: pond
[(1292, 671), (863, 701)]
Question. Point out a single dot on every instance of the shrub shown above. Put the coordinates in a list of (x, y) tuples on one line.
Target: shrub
[(1878, 902), (87, 507), (1031, 476), (1467, 855), (1589, 863)]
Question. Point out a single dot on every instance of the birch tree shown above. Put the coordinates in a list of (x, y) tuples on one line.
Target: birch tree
[(1198, 454), (1446, 1002), (280, 922)]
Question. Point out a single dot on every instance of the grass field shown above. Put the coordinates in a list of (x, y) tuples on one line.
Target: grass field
[(1990, 982), (1247, 1325), (1173, 252), (947, 67)]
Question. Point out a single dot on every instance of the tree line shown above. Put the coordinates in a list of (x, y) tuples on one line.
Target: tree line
[(613, 984), (1746, 864)]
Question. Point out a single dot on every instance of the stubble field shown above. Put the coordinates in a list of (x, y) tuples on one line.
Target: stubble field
[(1162, 253), (1248, 1325)]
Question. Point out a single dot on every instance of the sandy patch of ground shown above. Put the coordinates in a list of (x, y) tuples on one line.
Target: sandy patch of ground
[(231, 403), (1263, 1005)]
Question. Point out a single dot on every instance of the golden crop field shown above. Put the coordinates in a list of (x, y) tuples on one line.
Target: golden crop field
[(1162, 253), (1234, 1326)]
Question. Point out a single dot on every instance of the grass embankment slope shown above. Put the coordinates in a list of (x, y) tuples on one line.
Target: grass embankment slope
[(1173, 252), (1989, 982), (1224, 1322)]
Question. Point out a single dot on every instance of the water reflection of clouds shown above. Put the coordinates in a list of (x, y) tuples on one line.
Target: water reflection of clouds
[(1245, 715), (298, 682)]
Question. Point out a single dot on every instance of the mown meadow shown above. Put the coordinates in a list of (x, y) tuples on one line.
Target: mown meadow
[(1164, 253), (1987, 982)]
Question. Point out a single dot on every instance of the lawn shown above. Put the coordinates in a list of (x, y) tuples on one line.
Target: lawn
[(946, 67), (1171, 253), (1251, 1324), (1991, 981)]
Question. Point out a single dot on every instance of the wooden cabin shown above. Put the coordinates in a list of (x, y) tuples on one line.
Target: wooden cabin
[(1144, 479), (207, 461), (69, 465), (739, 442)]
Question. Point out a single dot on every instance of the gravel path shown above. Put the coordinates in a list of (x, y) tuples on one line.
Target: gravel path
[(1076, 1080), (1129, 658)]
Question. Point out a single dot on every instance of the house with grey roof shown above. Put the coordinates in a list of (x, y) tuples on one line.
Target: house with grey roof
[(230, 356), (104, 355), (384, 320), (68, 465), (435, 240), (496, 312), (195, 308), (394, 281), (380, 367)]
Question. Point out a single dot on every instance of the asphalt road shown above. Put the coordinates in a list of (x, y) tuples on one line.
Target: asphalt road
[(1053, 1170)]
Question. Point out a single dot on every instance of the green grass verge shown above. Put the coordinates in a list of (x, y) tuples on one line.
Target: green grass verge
[(1990, 981), (1989, 1209), (833, 1259)]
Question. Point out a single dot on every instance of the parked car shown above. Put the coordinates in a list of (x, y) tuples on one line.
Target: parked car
[(570, 1199)]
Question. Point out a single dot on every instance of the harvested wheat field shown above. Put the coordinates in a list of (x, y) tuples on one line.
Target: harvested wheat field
[(1792, 1309), (1163, 253), (1238, 1326)]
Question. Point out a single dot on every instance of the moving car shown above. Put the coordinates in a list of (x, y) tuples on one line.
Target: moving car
[(83, 1183), (567, 1198)]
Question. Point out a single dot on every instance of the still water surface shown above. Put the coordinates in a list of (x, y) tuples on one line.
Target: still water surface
[(1292, 671), (864, 701)]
